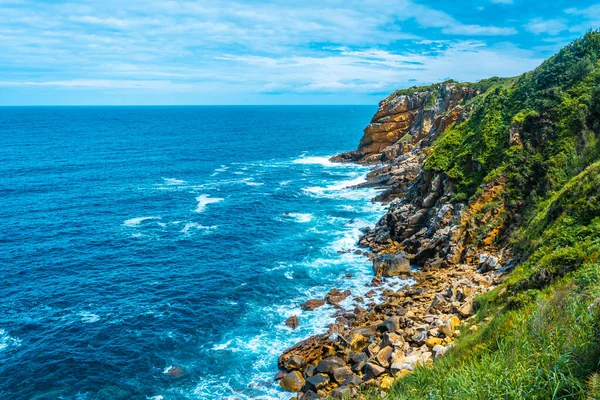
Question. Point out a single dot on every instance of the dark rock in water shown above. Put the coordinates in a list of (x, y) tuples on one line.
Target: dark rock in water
[(349, 275), (358, 252), (310, 305), (174, 371), (329, 364), (335, 296), (317, 382), (292, 322), (279, 376), (391, 264), (293, 382)]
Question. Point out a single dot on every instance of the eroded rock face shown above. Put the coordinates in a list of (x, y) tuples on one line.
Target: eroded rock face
[(403, 122), (389, 333)]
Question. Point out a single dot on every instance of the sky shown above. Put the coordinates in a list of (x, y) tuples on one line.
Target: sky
[(126, 52)]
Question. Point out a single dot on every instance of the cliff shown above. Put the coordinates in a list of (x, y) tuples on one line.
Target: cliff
[(493, 190)]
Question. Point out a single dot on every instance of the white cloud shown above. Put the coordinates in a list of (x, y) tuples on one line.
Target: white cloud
[(548, 26)]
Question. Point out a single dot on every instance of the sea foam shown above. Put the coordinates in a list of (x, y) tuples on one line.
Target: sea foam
[(133, 222), (204, 200)]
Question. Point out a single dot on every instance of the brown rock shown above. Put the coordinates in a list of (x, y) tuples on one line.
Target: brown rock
[(292, 322), (293, 382), (392, 264), (311, 305), (175, 371), (384, 356), (295, 362), (467, 308)]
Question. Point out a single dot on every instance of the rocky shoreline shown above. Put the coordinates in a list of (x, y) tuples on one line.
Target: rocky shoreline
[(425, 234)]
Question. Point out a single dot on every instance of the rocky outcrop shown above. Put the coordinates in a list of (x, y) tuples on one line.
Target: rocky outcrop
[(405, 121), (449, 248)]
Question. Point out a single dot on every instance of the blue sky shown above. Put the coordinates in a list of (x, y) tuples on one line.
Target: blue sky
[(269, 52)]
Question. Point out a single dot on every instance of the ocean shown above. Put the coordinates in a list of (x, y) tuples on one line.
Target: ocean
[(138, 243)]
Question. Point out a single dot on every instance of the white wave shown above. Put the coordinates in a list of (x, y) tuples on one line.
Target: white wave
[(300, 217), (204, 200), (174, 181), (193, 225), (222, 346), (314, 160), (284, 183), (251, 182), (238, 173), (7, 341), (89, 318), (133, 222)]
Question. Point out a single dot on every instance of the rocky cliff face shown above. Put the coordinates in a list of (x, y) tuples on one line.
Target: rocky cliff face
[(406, 121), (380, 340), (402, 130)]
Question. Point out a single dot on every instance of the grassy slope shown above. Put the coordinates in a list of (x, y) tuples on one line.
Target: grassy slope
[(538, 333)]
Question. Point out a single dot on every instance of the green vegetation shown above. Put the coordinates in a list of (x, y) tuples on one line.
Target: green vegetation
[(538, 333)]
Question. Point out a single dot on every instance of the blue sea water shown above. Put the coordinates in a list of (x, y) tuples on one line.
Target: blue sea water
[(138, 239)]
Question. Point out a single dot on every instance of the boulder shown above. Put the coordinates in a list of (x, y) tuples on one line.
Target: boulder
[(335, 296), (356, 341), (420, 337), (317, 382), (438, 351), (295, 362), (387, 382), (341, 374), (487, 262), (392, 264), (292, 322), (329, 364), (343, 392), (293, 382), (467, 308), (384, 356), (448, 327), (392, 339), (352, 381), (404, 363), (279, 376), (310, 305), (373, 370), (391, 324)]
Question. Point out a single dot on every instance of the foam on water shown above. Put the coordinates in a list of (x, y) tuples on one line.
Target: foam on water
[(300, 217), (174, 181), (194, 226), (7, 341), (89, 318), (315, 160), (204, 200), (133, 222)]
